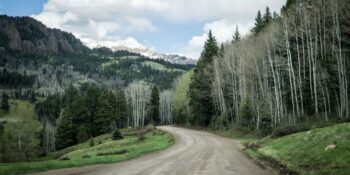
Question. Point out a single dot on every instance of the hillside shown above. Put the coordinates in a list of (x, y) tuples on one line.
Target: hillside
[(37, 59)]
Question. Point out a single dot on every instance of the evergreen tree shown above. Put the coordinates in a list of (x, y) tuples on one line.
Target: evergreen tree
[(65, 135), (236, 36), (121, 106), (259, 24), (91, 95), (222, 50), (5, 102), (267, 17), (105, 113), (201, 104), (154, 105)]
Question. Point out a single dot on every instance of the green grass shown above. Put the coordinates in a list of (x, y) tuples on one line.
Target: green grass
[(305, 152), (153, 141), (18, 108)]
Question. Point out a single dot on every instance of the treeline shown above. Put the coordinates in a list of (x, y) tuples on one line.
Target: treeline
[(89, 111), (80, 114), (15, 80), (292, 68), (92, 65)]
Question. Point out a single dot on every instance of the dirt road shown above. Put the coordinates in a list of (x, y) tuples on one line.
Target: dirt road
[(195, 153)]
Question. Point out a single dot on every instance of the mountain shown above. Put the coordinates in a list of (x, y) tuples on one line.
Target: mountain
[(24, 34), (36, 59), (135, 47)]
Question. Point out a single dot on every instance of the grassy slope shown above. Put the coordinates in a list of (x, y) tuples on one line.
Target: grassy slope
[(305, 152), (152, 142), (19, 108)]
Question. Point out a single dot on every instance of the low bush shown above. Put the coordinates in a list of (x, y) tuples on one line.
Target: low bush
[(287, 130), (300, 127), (141, 137), (85, 156), (116, 135), (123, 151)]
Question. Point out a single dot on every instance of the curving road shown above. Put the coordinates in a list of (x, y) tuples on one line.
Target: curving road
[(195, 153)]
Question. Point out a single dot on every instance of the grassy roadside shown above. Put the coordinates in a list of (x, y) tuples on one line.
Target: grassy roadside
[(300, 153), (305, 152), (107, 152)]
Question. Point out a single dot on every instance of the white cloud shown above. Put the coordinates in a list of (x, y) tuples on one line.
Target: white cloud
[(119, 20), (223, 30)]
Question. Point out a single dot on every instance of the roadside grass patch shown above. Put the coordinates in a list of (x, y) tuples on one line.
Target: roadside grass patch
[(83, 154), (305, 152)]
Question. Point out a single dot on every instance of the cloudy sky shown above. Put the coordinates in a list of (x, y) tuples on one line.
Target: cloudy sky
[(166, 26)]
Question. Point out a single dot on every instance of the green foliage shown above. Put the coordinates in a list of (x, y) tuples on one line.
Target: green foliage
[(1, 129), (5, 103), (106, 112), (220, 122), (65, 135), (261, 21), (258, 23), (121, 109), (265, 125), (201, 103), (92, 142), (180, 101), (236, 36), (49, 109), (246, 113), (15, 79), (154, 105), (82, 134), (19, 141), (116, 135)]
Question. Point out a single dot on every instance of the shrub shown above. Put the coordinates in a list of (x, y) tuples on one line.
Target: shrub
[(246, 113), (287, 130), (266, 125), (85, 156), (92, 142), (123, 151), (116, 135), (141, 137), (82, 134)]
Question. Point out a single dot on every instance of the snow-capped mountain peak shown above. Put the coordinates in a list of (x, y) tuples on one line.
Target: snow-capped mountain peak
[(132, 45)]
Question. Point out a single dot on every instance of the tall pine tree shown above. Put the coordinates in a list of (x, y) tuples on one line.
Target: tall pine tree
[(65, 135), (154, 106), (259, 24), (201, 103), (121, 106), (105, 117), (236, 36), (267, 17)]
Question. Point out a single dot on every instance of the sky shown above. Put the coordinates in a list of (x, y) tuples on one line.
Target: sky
[(164, 26)]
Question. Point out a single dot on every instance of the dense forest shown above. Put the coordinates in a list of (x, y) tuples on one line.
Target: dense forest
[(293, 68)]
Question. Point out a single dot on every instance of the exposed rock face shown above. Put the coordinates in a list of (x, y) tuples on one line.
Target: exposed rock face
[(15, 39), (28, 35)]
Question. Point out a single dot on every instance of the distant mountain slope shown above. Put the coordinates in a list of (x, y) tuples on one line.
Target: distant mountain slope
[(34, 58), (139, 49), (25, 34)]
